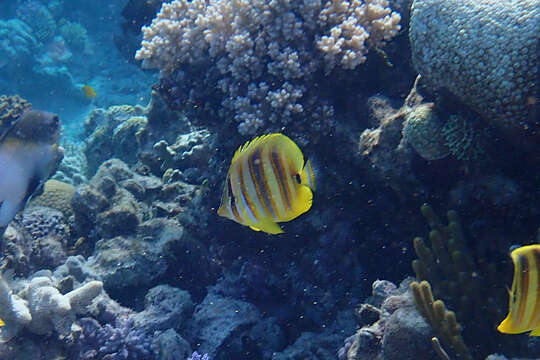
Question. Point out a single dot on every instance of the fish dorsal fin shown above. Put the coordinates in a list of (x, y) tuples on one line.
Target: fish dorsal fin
[(276, 139), (252, 144)]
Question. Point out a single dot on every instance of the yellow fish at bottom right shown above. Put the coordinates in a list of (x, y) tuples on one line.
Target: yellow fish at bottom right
[(524, 305)]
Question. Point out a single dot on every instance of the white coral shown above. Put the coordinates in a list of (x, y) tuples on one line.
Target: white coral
[(43, 308), (355, 25), (249, 42)]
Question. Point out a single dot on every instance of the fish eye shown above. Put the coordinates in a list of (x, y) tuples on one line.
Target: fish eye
[(298, 178)]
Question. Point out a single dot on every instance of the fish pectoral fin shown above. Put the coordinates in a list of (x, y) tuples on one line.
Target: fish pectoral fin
[(268, 227), (535, 332)]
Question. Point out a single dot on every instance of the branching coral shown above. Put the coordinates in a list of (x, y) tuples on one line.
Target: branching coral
[(260, 55), (41, 308), (465, 281), (443, 322)]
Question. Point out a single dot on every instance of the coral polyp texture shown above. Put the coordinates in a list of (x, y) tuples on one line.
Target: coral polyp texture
[(262, 56), (485, 53)]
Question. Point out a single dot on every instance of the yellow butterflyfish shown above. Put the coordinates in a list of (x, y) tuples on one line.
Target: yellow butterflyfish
[(268, 182), (524, 306), (89, 91), (2, 323)]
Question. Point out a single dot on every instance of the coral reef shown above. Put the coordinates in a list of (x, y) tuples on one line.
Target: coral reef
[(41, 307), (17, 44), (464, 142), (56, 195), (382, 147), (74, 34), (11, 108), (121, 341), (485, 53), (100, 127), (259, 58), (73, 168), (443, 322), (38, 17), (135, 223), (422, 129), (36, 239), (466, 279), (390, 327)]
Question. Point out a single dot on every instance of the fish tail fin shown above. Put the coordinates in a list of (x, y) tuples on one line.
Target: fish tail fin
[(307, 176)]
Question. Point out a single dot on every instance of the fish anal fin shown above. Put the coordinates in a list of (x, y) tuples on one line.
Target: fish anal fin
[(268, 227), (535, 332)]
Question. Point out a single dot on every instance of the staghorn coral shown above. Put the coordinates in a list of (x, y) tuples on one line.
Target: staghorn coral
[(485, 53), (259, 58)]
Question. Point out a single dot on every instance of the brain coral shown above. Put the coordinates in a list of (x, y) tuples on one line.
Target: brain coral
[(484, 52), (56, 195)]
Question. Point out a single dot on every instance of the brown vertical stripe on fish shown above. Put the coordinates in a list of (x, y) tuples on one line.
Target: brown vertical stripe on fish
[(524, 282), (275, 160), (256, 170)]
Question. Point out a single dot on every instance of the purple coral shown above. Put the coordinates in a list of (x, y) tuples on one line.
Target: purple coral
[(196, 356), (107, 342)]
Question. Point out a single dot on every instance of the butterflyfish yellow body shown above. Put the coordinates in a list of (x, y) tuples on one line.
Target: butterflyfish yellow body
[(524, 307), (268, 182)]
